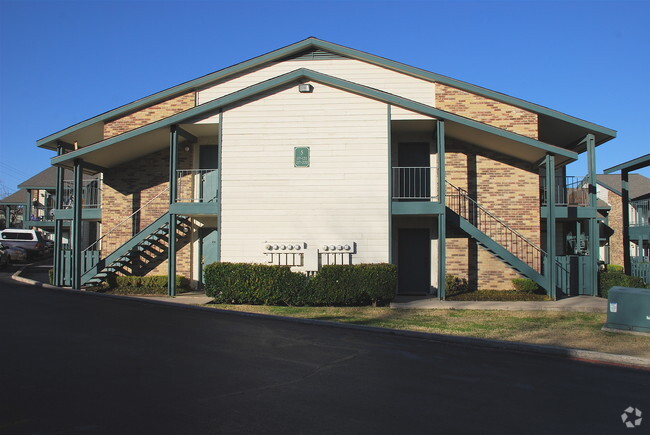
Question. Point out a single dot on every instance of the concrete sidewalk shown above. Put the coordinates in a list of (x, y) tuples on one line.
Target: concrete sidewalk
[(587, 304), (37, 274)]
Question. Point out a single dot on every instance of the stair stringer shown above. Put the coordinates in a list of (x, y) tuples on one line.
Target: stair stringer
[(496, 249)]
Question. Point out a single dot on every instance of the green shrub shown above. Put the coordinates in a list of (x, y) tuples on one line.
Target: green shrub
[(607, 280), (526, 285), (256, 284), (50, 276), (144, 285), (456, 285), (260, 284), (614, 268), (359, 284)]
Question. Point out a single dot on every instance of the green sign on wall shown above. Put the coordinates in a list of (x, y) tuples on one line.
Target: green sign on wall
[(301, 157)]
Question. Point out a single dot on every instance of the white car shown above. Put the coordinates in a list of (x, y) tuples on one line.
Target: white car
[(16, 254)]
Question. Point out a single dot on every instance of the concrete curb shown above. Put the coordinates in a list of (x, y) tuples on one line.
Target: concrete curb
[(587, 356)]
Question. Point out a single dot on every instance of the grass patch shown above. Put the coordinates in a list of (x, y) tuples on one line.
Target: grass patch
[(566, 329)]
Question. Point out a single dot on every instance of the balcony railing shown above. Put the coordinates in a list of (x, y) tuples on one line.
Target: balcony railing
[(197, 185), (570, 191), (415, 183), (640, 216), (90, 194), (41, 213)]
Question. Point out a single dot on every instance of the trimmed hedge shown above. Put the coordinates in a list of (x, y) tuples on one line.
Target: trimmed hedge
[(358, 284), (255, 284), (146, 285), (526, 285), (456, 285), (607, 280), (261, 284)]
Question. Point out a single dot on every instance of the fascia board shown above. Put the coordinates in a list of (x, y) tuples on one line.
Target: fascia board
[(306, 74)]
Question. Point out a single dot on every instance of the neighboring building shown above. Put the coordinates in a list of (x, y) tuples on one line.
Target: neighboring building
[(610, 191), (12, 210), (316, 154), (33, 206), (635, 216)]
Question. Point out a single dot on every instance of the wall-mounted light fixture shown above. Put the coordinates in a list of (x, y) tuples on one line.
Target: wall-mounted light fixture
[(187, 147), (305, 88)]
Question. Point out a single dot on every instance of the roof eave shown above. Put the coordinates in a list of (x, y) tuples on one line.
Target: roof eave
[(311, 42)]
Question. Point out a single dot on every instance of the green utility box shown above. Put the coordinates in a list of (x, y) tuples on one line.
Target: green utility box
[(628, 309)]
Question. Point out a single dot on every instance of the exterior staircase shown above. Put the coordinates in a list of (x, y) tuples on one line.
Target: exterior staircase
[(499, 239), (151, 243)]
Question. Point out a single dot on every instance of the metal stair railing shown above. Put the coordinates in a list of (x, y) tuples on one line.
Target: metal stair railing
[(459, 201), (127, 219)]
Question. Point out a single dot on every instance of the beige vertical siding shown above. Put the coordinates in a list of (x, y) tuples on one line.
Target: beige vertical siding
[(348, 69), (341, 197)]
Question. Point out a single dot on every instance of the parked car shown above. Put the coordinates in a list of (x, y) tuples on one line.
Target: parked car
[(30, 240), (16, 254), (4, 256)]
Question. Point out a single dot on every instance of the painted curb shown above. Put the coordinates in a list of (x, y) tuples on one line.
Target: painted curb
[(587, 356)]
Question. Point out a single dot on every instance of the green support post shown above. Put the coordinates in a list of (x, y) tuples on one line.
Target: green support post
[(7, 215), (442, 218), (58, 223), (171, 241), (28, 210), (627, 264), (219, 186), (76, 225), (549, 269), (390, 186), (594, 235)]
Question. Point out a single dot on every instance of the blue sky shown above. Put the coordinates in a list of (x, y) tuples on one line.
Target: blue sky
[(62, 62)]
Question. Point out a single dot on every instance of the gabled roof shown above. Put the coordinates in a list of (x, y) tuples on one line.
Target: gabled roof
[(555, 127), (45, 179), (16, 198), (516, 145), (638, 185)]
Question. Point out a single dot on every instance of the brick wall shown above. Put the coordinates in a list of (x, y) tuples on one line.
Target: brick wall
[(130, 186), (149, 115), (486, 110), (507, 189), (615, 221)]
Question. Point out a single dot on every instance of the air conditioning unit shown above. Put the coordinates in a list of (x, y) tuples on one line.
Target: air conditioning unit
[(628, 309)]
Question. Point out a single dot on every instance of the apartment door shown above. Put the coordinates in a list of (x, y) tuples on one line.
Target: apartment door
[(415, 175), (413, 261), (208, 159), (208, 242)]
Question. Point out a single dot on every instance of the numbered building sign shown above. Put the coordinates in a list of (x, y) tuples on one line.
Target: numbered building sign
[(301, 157)]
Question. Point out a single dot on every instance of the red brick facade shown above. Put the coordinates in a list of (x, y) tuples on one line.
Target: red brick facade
[(502, 185), (149, 115)]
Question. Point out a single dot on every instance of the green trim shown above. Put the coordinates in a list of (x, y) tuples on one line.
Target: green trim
[(562, 212), (305, 74), (426, 208), (194, 208), (632, 165), (317, 44), (87, 214), (21, 187)]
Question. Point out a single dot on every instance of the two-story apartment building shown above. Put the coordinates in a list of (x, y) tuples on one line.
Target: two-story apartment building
[(317, 154)]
